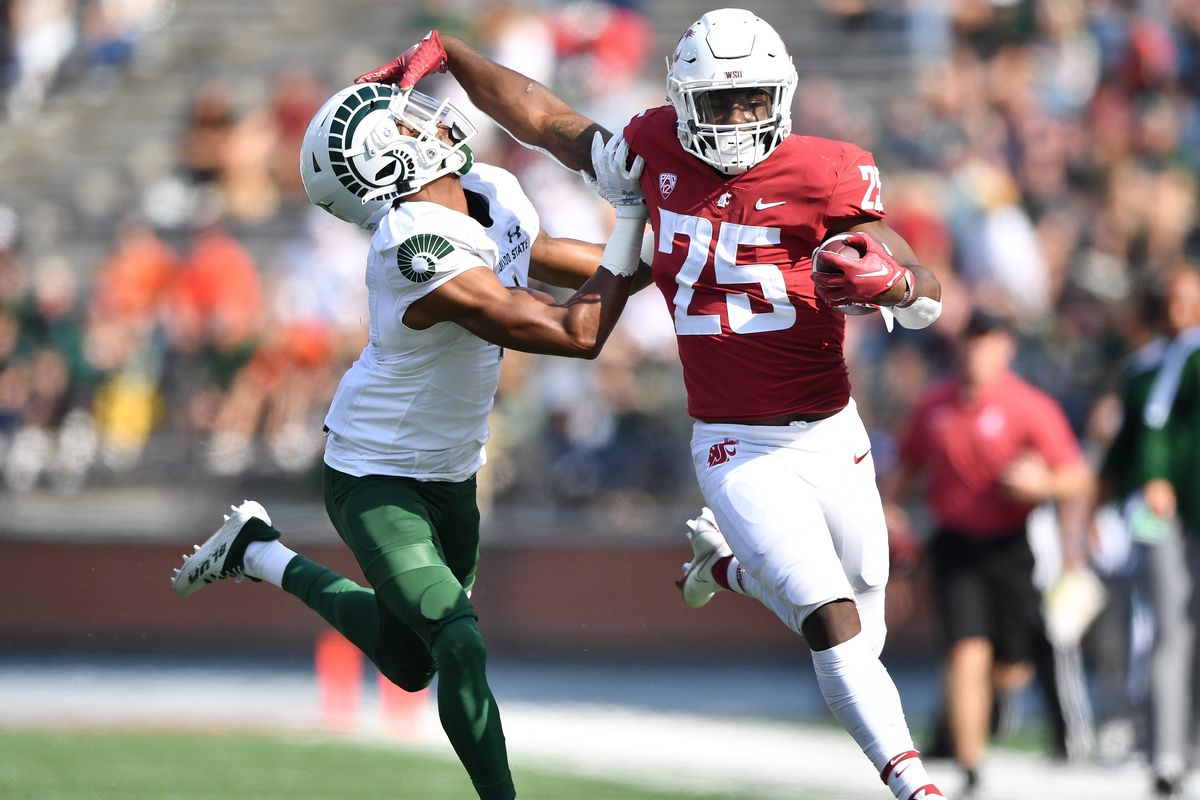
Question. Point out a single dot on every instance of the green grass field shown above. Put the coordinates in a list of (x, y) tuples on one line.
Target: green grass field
[(159, 766)]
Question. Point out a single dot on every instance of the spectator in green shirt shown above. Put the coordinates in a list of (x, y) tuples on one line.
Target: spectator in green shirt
[(1169, 462)]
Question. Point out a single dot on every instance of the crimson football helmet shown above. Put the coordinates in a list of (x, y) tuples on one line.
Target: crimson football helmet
[(730, 48), (355, 159)]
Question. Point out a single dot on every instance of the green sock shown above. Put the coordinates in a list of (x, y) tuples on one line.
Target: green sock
[(345, 605)]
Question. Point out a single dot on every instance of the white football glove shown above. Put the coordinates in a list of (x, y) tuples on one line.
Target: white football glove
[(619, 185)]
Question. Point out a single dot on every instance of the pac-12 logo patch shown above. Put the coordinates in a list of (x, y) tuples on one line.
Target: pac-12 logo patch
[(418, 256), (666, 183)]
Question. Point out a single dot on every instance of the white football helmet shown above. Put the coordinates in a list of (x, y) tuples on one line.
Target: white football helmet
[(355, 160), (730, 48)]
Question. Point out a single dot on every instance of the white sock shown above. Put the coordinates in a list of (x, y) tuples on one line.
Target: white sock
[(734, 575), (742, 582), (267, 560), (860, 693)]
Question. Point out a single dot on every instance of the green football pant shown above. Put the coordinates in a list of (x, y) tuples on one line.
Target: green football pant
[(417, 543)]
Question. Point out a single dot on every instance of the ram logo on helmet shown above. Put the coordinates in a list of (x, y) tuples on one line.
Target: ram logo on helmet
[(370, 144)]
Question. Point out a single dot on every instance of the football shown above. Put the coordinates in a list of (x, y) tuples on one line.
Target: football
[(837, 244)]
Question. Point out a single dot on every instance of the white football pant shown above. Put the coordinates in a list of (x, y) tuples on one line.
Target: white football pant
[(800, 509)]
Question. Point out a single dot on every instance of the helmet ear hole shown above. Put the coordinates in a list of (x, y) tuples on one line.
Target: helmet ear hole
[(388, 171)]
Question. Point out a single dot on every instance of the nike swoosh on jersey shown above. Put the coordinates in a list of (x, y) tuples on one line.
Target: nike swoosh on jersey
[(761, 206), (858, 459)]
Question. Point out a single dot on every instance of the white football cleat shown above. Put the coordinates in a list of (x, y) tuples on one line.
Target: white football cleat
[(221, 554), (708, 547)]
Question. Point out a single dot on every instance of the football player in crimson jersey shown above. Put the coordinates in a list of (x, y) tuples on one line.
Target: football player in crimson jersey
[(738, 204)]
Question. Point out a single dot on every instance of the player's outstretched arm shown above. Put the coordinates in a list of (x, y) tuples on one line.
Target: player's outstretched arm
[(563, 262), (523, 319), (525, 108), (569, 263)]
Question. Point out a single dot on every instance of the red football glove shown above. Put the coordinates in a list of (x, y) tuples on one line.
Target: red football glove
[(862, 279), (424, 57)]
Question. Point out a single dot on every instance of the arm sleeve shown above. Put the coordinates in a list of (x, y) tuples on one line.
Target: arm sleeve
[(857, 190)]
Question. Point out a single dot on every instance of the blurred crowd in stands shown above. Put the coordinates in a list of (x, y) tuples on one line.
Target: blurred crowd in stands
[(46, 43), (1044, 167)]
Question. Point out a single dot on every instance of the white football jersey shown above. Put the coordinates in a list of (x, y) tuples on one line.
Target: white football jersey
[(415, 403)]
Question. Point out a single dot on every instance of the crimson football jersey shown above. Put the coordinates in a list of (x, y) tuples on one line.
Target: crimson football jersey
[(734, 263)]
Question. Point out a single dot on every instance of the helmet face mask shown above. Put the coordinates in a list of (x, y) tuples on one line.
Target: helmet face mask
[(724, 51), (369, 145)]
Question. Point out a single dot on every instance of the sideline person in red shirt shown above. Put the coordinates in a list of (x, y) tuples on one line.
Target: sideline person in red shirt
[(991, 448)]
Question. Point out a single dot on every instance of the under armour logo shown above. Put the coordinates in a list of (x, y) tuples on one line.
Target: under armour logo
[(720, 452), (513, 233), (723, 200)]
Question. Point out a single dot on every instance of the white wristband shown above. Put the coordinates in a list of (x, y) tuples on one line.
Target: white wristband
[(921, 313), (622, 254), (649, 246)]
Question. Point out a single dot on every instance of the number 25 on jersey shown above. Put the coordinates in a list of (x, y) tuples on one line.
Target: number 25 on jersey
[(872, 199), (727, 272)]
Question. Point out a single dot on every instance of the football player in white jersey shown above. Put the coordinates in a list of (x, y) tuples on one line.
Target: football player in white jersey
[(454, 247), (739, 204)]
